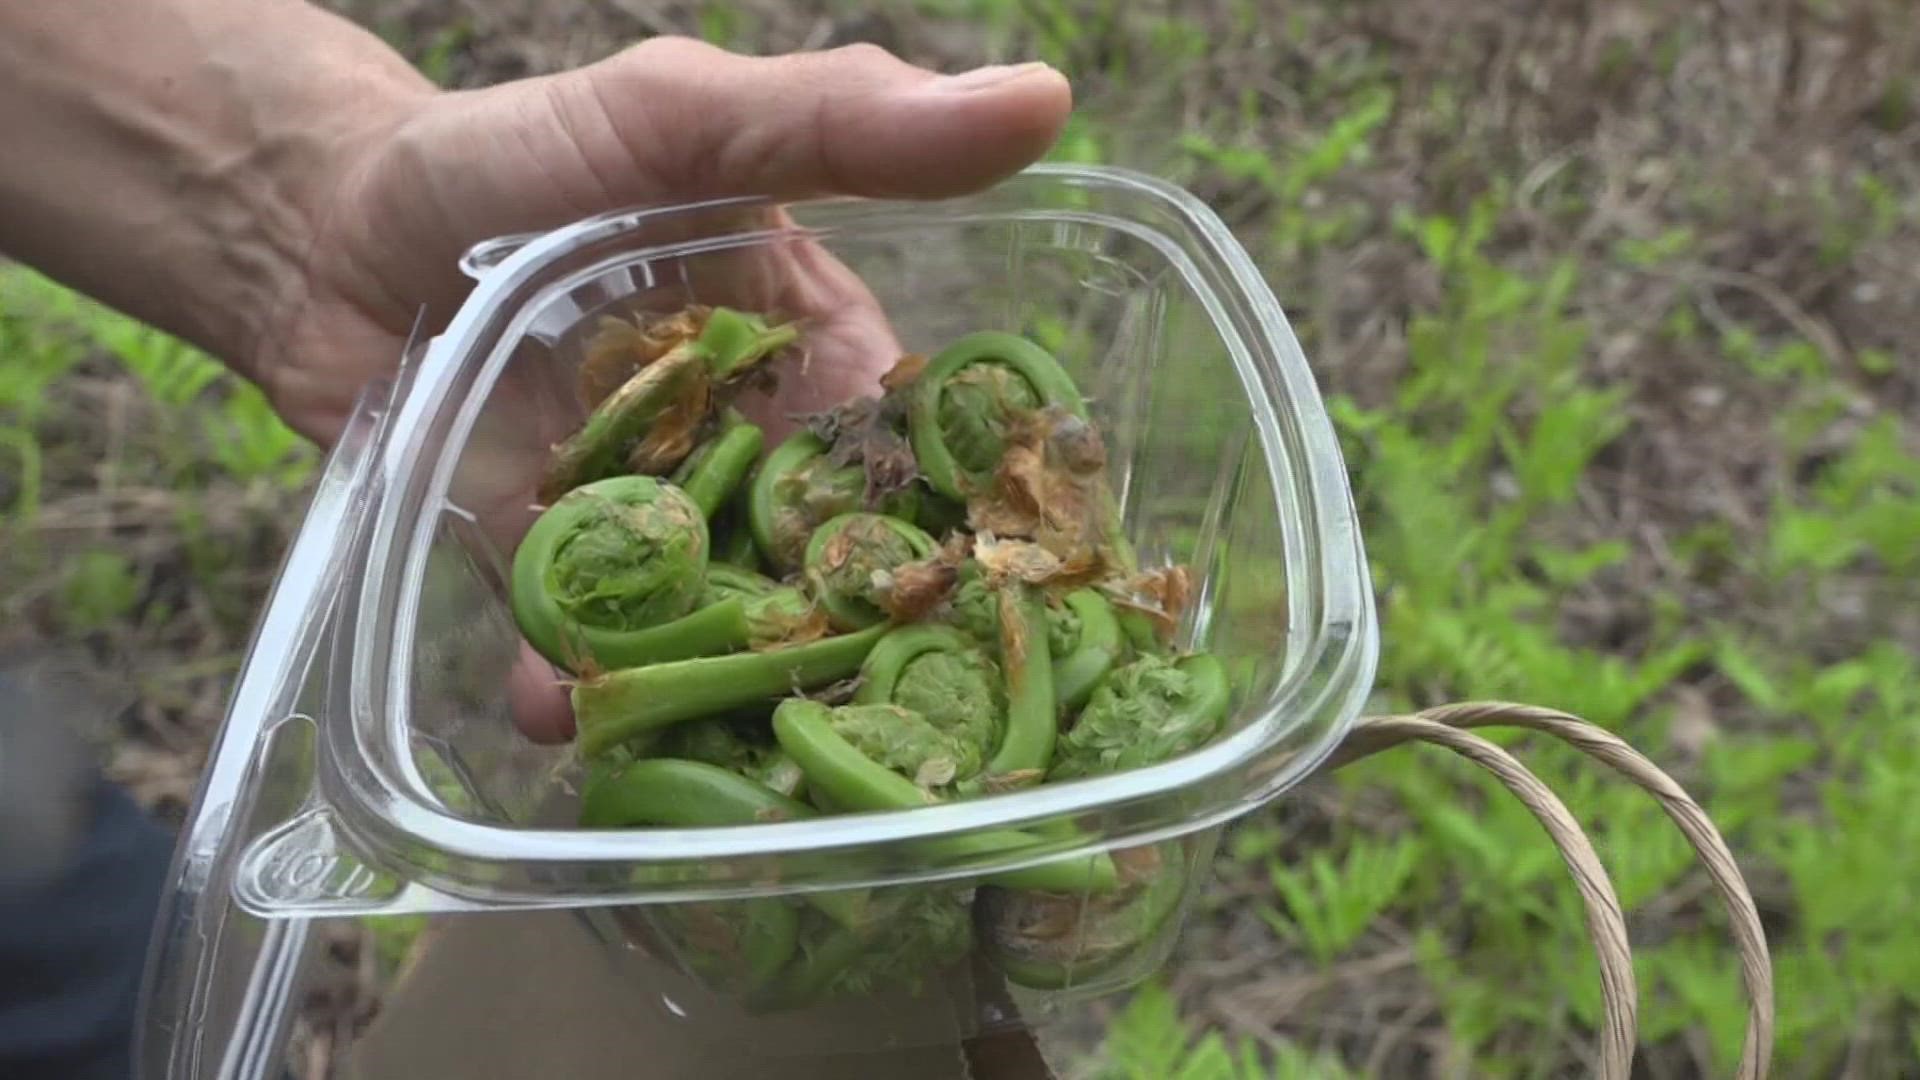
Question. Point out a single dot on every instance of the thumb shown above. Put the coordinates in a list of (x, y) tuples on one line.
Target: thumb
[(675, 118)]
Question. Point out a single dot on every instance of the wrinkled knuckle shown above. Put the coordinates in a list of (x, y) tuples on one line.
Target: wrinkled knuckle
[(671, 49), (862, 52)]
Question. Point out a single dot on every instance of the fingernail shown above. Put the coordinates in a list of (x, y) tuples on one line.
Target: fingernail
[(983, 78)]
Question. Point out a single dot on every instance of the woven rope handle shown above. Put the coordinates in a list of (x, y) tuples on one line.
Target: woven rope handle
[(1448, 726)]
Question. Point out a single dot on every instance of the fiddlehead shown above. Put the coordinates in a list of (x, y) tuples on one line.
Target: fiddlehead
[(1051, 941), (731, 745), (771, 614), (967, 400), (850, 561), (1146, 712), (908, 936), (740, 945), (798, 489), (942, 676), (1086, 641), (609, 561), (855, 781), (1013, 619), (1032, 723)]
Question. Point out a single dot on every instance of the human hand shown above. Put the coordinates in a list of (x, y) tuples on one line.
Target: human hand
[(669, 119), (666, 120), (274, 184)]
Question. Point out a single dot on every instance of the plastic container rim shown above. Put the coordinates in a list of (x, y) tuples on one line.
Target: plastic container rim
[(1328, 679)]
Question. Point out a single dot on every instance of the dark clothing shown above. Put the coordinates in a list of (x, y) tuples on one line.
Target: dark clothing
[(72, 949)]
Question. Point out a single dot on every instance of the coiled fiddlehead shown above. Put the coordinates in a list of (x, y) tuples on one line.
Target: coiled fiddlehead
[(729, 744), (737, 944), (942, 676), (966, 402), (1051, 941), (908, 936), (1148, 711), (602, 580), (850, 561), (854, 781), (798, 489), (1032, 725), (606, 564), (1151, 710), (1025, 632), (771, 614)]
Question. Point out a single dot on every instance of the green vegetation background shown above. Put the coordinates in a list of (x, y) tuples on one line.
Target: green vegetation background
[(1613, 305)]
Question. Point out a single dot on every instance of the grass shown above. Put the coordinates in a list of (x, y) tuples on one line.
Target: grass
[(1615, 332)]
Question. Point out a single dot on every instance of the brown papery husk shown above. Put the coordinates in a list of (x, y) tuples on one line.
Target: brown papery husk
[(871, 432), (1161, 595), (904, 373), (1050, 487), (681, 376), (921, 586), (676, 431), (619, 348), (1030, 563), (917, 588)]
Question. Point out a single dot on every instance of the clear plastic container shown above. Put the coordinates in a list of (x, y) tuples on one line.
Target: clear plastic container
[(369, 764)]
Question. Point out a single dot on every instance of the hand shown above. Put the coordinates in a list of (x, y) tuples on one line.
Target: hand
[(666, 120), (272, 183)]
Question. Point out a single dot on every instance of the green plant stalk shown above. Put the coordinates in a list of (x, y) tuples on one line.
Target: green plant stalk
[(1140, 632), (854, 612), (1099, 648), (735, 340), (856, 782), (712, 473), (734, 547), (741, 945), (710, 631), (1032, 720), (773, 935), (763, 498), (680, 794), (642, 506), (622, 704), (1047, 381)]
